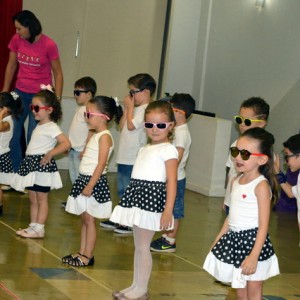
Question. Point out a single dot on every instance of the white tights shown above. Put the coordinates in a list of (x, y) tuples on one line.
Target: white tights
[(142, 263)]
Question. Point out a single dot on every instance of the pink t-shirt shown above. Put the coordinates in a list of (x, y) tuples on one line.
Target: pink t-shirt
[(34, 62)]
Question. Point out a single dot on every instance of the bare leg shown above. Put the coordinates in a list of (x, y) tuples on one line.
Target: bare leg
[(42, 201), (33, 206), (173, 233)]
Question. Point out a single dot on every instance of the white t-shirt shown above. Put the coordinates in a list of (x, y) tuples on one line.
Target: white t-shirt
[(244, 207), (43, 138), (231, 174), (131, 141), (183, 140), (90, 158), (150, 162), (6, 136), (296, 193), (79, 130)]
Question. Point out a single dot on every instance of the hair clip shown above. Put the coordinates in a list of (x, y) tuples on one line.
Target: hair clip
[(14, 95), (47, 87), (117, 101)]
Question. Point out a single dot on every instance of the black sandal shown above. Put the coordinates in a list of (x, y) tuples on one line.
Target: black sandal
[(67, 258), (77, 261)]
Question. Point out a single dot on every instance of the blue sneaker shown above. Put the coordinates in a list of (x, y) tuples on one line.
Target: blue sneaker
[(162, 245)]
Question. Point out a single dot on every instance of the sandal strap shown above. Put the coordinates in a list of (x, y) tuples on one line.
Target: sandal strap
[(85, 257), (77, 262)]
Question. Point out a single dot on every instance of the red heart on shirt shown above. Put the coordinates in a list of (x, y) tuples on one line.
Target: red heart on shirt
[(244, 196)]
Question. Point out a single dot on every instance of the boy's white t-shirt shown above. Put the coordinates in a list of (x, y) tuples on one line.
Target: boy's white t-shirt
[(131, 141), (231, 174), (6, 136), (78, 130), (183, 140)]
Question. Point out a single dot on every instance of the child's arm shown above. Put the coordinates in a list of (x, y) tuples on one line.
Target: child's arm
[(171, 171), (63, 145), (128, 114), (287, 188), (105, 142), (263, 195), (4, 126)]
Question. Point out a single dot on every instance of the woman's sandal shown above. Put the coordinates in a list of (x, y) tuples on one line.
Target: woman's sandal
[(77, 261), (69, 257)]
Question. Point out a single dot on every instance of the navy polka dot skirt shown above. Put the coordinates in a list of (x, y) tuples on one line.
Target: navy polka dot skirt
[(97, 205), (6, 169), (142, 205), (225, 259), (31, 172)]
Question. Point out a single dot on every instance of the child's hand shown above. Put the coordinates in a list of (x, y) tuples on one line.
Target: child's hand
[(128, 102), (3, 112), (166, 221), (277, 164), (249, 265), (87, 191), (46, 159)]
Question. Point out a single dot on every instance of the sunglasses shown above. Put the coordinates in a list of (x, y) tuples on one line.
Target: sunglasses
[(245, 154), (149, 125), (133, 92), (89, 114), (239, 120), (37, 108), (78, 92), (286, 157)]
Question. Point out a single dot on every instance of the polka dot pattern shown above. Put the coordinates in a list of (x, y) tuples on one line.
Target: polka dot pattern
[(146, 195), (100, 192), (233, 247), (31, 163), (5, 163)]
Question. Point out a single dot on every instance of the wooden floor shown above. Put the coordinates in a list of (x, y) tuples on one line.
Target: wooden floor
[(32, 269)]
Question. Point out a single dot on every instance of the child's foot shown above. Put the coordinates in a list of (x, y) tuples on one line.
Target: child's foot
[(33, 233)]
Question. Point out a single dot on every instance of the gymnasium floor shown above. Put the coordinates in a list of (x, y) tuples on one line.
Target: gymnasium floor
[(32, 269)]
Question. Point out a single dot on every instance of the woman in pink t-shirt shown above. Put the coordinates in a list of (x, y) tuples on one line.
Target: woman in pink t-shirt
[(36, 58)]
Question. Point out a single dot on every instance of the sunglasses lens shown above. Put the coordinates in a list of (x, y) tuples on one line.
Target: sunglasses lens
[(36, 108), (234, 151), (76, 93), (238, 120), (247, 122), (161, 125), (245, 154), (148, 125)]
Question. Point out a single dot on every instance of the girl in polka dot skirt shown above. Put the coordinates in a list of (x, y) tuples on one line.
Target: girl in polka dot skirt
[(10, 107), (38, 172), (242, 253), (147, 204), (90, 196)]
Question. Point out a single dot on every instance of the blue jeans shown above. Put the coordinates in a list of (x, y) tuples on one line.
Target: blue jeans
[(74, 162), (178, 210), (124, 175), (15, 144)]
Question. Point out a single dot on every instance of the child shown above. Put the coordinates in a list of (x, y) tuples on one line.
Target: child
[(243, 253), (183, 106), (148, 202), (84, 89), (292, 157), (254, 112), (38, 171), (133, 135), (90, 196), (10, 107)]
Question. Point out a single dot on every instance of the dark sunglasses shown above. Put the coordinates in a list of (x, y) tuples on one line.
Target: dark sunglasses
[(89, 114), (149, 125), (286, 157), (133, 92), (239, 120), (37, 108), (245, 154), (78, 92)]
